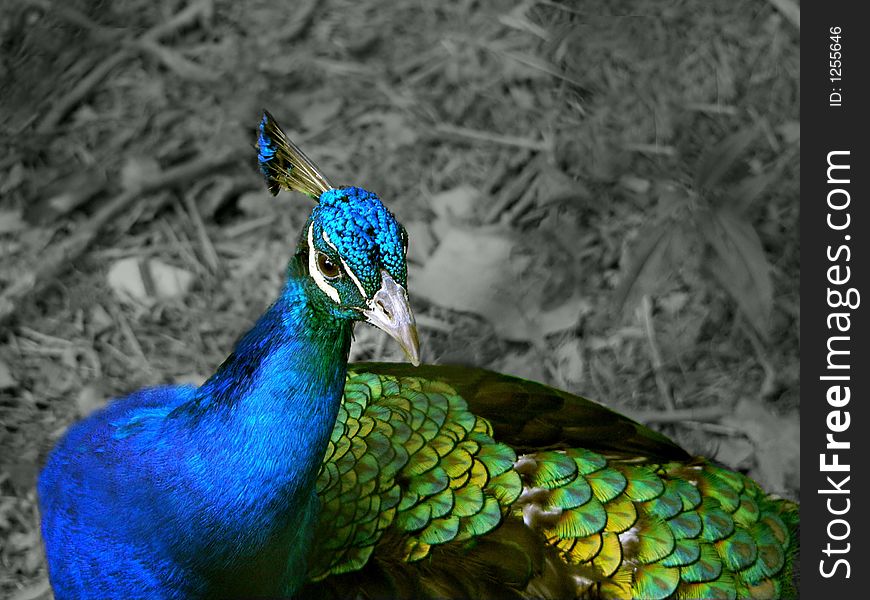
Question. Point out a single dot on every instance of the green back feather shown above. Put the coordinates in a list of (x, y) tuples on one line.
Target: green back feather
[(421, 497)]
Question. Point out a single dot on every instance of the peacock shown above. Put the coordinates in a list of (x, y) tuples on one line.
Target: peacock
[(289, 473)]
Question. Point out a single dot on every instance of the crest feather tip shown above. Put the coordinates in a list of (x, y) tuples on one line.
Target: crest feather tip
[(283, 164)]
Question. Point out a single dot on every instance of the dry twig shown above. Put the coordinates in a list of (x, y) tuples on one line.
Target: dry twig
[(655, 353), (703, 415), (56, 258), (208, 251), (146, 42), (496, 138), (789, 10)]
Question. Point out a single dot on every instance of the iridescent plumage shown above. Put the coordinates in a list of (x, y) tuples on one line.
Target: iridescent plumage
[(364, 233), (284, 474), (283, 164), (425, 498)]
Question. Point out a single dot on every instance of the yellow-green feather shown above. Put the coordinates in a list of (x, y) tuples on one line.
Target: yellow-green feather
[(410, 469)]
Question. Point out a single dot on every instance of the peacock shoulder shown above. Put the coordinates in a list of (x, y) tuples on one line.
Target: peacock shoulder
[(407, 458)]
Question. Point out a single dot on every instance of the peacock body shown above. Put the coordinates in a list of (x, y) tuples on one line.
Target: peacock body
[(286, 474), (430, 499)]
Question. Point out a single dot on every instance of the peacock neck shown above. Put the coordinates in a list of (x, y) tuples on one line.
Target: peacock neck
[(263, 420), (295, 352)]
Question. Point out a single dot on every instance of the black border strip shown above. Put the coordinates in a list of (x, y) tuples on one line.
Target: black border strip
[(835, 223)]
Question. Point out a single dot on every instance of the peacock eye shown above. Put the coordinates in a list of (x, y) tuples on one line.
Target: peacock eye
[(329, 269)]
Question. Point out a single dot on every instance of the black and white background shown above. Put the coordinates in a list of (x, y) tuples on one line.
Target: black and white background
[(604, 196)]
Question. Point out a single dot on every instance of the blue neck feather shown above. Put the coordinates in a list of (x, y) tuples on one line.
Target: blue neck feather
[(257, 431)]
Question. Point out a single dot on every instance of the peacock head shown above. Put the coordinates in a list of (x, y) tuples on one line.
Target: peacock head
[(353, 247)]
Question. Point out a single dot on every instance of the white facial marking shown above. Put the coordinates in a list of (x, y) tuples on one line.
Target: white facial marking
[(353, 278), (316, 275), (347, 269)]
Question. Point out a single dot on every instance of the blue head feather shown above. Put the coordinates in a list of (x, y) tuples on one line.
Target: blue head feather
[(365, 234), (265, 148)]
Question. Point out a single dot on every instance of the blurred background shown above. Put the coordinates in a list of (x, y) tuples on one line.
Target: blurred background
[(602, 196)]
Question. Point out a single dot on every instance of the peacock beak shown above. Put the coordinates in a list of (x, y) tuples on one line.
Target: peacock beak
[(389, 310)]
